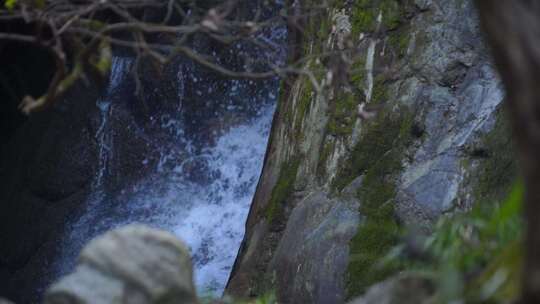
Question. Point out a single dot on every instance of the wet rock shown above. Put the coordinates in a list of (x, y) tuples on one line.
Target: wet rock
[(45, 173), (133, 264), (402, 289)]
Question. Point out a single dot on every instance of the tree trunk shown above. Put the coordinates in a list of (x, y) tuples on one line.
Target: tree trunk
[(513, 31)]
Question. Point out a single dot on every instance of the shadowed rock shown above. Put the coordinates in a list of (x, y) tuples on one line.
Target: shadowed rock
[(402, 289), (133, 264)]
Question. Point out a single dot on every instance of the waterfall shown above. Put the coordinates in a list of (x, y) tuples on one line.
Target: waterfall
[(198, 189), (210, 218), (88, 225), (119, 70)]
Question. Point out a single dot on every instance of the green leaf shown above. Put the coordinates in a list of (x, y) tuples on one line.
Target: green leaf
[(510, 210), (10, 4)]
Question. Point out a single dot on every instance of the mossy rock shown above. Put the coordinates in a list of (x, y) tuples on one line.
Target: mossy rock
[(378, 156), (387, 135), (302, 106), (282, 190), (497, 170), (399, 42), (343, 114), (325, 155), (366, 12)]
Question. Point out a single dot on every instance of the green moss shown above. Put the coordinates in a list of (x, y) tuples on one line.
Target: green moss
[(323, 28), (282, 190), (364, 17), (391, 13), (383, 136), (315, 30), (369, 245), (343, 114), (343, 108), (379, 93), (497, 171), (399, 42), (366, 12), (283, 106), (378, 156), (304, 102), (326, 152), (104, 60), (358, 71)]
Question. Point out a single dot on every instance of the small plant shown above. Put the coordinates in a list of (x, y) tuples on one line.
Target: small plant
[(10, 4), (268, 298), (474, 257)]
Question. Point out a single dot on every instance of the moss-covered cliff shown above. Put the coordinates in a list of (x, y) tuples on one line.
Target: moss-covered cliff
[(338, 187)]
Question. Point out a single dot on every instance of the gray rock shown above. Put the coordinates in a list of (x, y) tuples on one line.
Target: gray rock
[(432, 182), (4, 301), (312, 257), (133, 264), (423, 4), (45, 173), (402, 289), (441, 75), (349, 193)]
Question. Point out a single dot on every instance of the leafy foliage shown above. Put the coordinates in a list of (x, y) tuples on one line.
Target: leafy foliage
[(10, 4), (268, 298), (476, 257)]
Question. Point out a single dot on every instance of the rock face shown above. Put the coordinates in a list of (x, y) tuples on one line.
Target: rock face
[(403, 289), (319, 228), (133, 264), (4, 301), (336, 184), (107, 140), (45, 171), (435, 144)]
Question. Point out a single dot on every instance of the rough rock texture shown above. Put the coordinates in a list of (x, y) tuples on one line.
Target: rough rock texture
[(325, 227), (133, 264), (436, 141), (106, 140), (402, 289), (45, 171)]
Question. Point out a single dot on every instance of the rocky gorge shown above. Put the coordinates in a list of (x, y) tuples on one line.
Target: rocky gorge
[(335, 188), (414, 131)]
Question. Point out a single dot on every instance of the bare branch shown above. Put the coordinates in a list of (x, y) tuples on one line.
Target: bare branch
[(89, 23)]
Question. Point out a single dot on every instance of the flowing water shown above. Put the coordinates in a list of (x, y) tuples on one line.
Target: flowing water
[(200, 190)]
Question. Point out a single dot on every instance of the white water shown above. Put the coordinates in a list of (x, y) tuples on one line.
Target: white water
[(119, 70), (209, 216), (198, 187)]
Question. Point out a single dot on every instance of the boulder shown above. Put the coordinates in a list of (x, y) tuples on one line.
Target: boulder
[(133, 264)]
